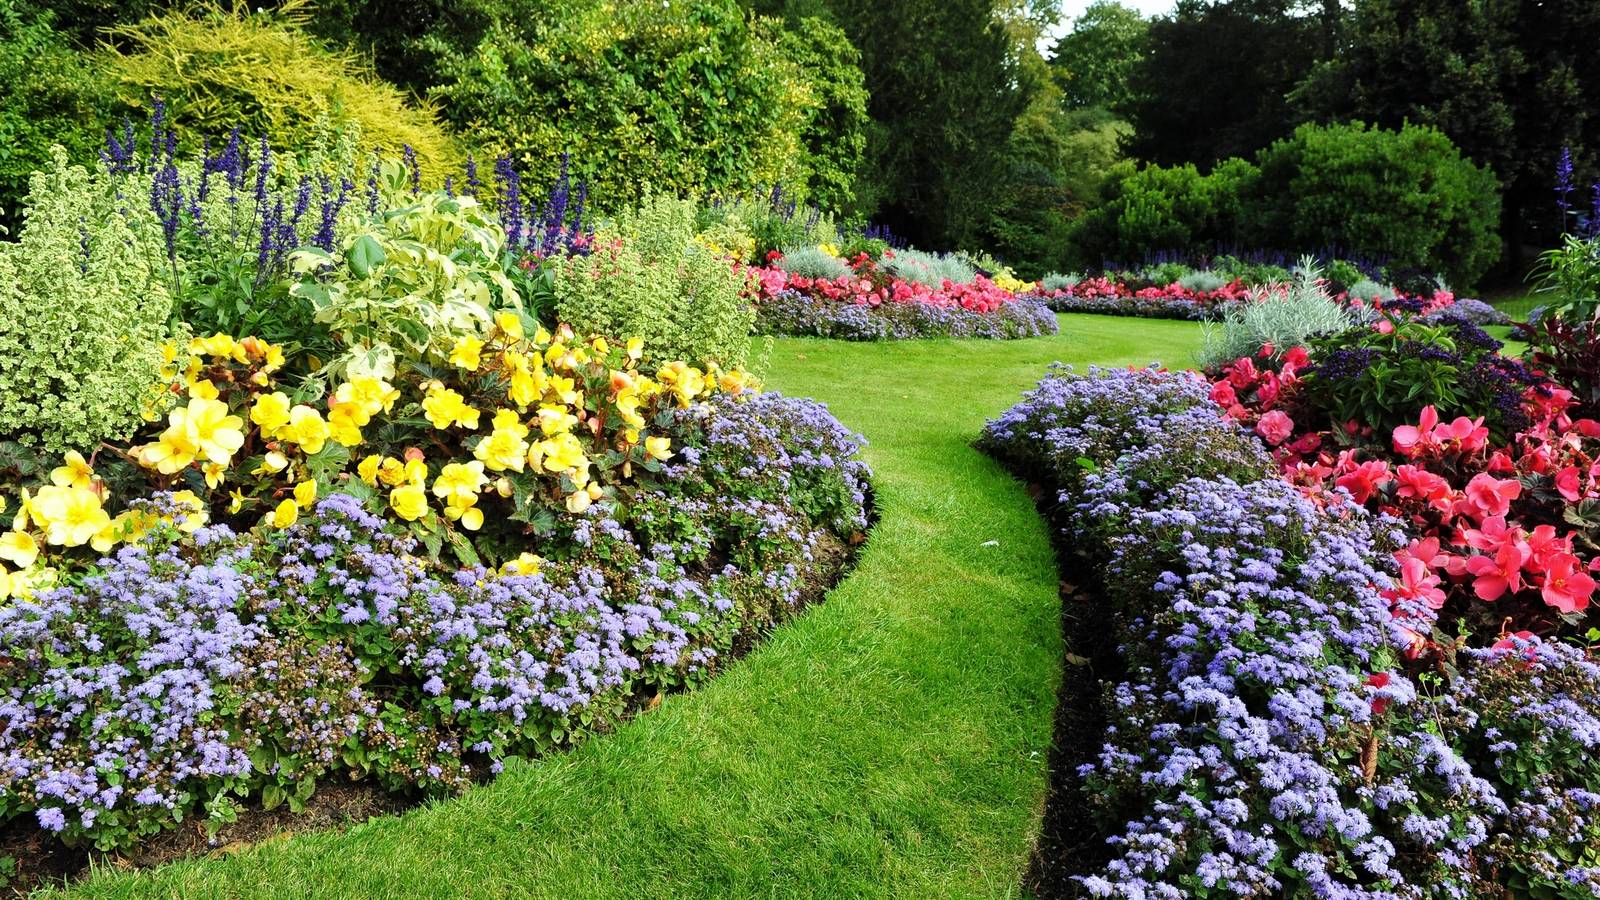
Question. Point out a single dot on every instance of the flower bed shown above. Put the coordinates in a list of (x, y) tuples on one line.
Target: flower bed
[(869, 303), (425, 530), (1268, 736), (1116, 297)]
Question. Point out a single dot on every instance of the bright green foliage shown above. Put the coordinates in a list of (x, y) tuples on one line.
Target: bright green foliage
[(1406, 195), (1203, 281), (1154, 208), (83, 314), (268, 76), (684, 97), (407, 287), (650, 278), (768, 226), (52, 96)]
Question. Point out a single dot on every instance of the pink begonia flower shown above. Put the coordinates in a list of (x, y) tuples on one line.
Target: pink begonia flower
[(1379, 680), (1223, 394), (1409, 438), (1496, 574), (1365, 480), (1569, 484), (1275, 427), (1566, 586), (1491, 496)]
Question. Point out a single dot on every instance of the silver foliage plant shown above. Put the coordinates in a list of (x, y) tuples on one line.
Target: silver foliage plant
[(1282, 315)]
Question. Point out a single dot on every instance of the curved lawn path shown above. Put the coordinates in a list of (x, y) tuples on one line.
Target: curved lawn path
[(890, 742)]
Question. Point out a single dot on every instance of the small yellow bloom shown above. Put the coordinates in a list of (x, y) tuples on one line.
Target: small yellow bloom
[(271, 412), (203, 389), (445, 408), (214, 474), (284, 515), (409, 502), (367, 469), (578, 502), (343, 427), (76, 473), (509, 322), (503, 449), (466, 512), (70, 517), (466, 354), (392, 472), (193, 510), (525, 564), (19, 547), (459, 483), (635, 348), (307, 428), (658, 448), (272, 463), (555, 420), (235, 502), (305, 493)]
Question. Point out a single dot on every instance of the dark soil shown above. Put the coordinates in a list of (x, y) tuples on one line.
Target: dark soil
[(1070, 841), (29, 859)]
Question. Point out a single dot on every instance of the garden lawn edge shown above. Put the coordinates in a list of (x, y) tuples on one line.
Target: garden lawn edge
[(892, 741)]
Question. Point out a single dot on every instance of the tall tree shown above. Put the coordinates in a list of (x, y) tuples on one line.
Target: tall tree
[(1213, 82), (945, 90), (1510, 81), (1094, 62)]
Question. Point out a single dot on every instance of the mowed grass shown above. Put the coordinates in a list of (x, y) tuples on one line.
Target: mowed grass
[(889, 743)]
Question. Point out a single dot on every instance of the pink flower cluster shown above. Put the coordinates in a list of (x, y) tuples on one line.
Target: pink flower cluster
[(869, 285), (1492, 523)]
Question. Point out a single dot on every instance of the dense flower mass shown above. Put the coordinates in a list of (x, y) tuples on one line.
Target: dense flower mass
[(1269, 736), (194, 667), (867, 301)]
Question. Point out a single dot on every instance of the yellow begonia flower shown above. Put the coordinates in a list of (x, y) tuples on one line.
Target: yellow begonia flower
[(307, 428), (658, 448), (465, 512), (459, 483), (214, 473), (202, 430), (409, 502), (392, 472), (203, 389), (19, 547), (218, 345), (502, 450), (305, 493), (365, 396), (70, 517), (444, 408), (197, 515), (564, 389), (525, 564), (578, 502), (76, 473), (635, 348), (510, 323), (367, 469), (235, 501), (562, 453), (284, 515), (271, 412), (272, 463), (343, 426), (466, 354), (555, 420)]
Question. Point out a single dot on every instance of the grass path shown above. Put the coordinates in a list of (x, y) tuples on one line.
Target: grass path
[(891, 742)]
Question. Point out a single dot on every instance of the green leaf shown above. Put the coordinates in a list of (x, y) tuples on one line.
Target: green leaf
[(365, 255)]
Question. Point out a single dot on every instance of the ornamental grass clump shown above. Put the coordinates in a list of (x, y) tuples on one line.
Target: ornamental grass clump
[(930, 270), (84, 310), (813, 262), (1279, 316)]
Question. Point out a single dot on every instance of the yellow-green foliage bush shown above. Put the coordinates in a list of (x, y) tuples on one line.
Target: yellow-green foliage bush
[(648, 277), (83, 313), (267, 75), (688, 97)]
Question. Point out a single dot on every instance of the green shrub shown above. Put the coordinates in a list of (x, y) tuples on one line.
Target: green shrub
[(648, 277), (53, 95), (772, 224), (1406, 195), (1056, 281), (688, 98), (83, 314), (1235, 269), (265, 74), (1367, 290), (1147, 210)]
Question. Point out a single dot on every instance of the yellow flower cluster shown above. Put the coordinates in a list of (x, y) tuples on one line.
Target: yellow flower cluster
[(69, 512), (1007, 281)]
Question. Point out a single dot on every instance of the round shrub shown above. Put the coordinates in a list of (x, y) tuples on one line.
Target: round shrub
[(813, 262), (929, 269), (1202, 282), (1144, 211), (266, 75), (83, 314), (1406, 195)]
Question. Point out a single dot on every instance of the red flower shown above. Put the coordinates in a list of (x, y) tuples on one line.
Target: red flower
[(1491, 496), (1418, 483), (1379, 680), (1365, 480), (1223, 394), (1275, 427), (1498, 573), (1568, 484)]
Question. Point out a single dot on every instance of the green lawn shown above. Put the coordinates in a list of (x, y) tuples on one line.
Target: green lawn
[(891, 742)]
